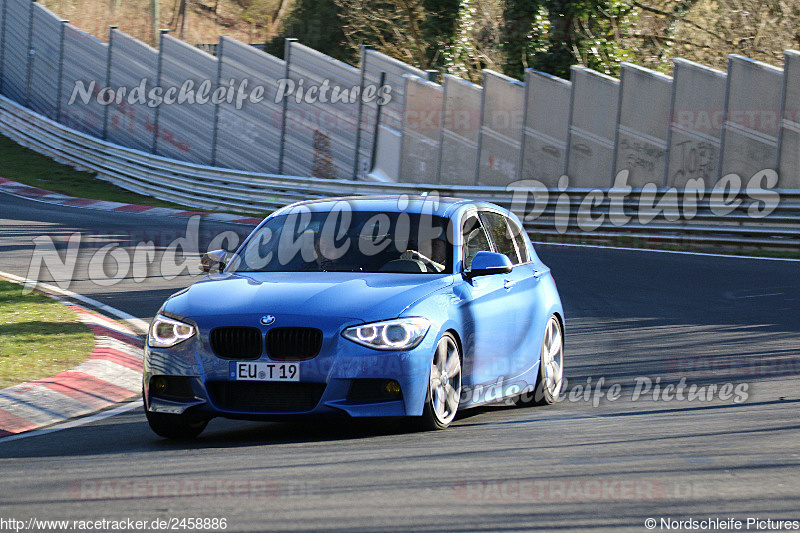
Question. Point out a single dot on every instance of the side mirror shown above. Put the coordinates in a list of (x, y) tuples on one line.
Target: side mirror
[(488, 263), (214, 261)]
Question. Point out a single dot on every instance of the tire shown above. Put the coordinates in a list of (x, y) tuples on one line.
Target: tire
[(177, 427), (444, 385), (551, 368)]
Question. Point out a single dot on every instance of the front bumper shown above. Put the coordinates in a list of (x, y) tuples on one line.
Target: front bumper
[(326, 386)]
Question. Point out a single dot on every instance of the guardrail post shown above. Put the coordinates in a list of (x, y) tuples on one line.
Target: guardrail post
[(377, 127), (60, 82), (31, 55), (108, 78), (287, 57), (3, 45), (157, 112), (220, 52), (359, 115)]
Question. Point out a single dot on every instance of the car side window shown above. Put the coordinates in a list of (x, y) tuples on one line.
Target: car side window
[(475, 240), (519, 239), (498, 228)]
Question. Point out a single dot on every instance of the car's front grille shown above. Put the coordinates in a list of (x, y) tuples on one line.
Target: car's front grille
[(293, 344), (266, 397), (236, 342)]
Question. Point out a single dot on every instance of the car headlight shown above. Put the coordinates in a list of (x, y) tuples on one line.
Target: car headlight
[(398, 334), (166, 332)]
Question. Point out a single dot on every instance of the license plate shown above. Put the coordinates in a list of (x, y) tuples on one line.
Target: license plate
[(261, 371)]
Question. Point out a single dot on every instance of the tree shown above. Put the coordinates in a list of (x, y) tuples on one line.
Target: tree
[(456, 36), (477, 41), (706, 31), (178, 20), (552, 35), (315, 23), (395, 27), (155, 17), (439, 28)]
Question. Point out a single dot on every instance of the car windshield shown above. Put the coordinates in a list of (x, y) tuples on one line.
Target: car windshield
[(348, 241)]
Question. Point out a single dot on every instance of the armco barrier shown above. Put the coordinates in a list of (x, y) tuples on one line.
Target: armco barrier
[(575, 214)]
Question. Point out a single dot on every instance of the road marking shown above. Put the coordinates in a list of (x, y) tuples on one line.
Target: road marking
[(137, 323), (124, 408)]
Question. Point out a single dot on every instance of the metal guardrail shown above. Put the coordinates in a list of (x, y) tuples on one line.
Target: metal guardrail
[(232, 190)]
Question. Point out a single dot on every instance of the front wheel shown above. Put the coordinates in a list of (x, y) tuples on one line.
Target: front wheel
[(551, 368), (444, 386), (178, 427)]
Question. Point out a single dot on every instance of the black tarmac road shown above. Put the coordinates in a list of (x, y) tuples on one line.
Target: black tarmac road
[(682, 404)]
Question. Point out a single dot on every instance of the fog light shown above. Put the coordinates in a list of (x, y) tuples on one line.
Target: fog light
[(392, 387), (158, 385)]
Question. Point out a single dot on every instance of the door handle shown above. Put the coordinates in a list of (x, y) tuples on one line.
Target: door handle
[(537, 274), (509, 284)]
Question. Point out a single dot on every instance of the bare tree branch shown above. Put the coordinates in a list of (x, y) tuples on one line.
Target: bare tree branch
[(679, 18)]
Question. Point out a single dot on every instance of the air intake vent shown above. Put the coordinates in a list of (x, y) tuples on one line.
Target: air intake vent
[(265, 397), (236, 342), (293, 344)]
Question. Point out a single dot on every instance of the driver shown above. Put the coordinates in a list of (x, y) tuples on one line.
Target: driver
[(326, 254), (438, 258)]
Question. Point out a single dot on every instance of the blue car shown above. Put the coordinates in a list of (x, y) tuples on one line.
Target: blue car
[(384, 306)]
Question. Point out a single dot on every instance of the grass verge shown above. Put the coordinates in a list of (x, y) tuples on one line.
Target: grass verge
[(26, 166), (39, 336)]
